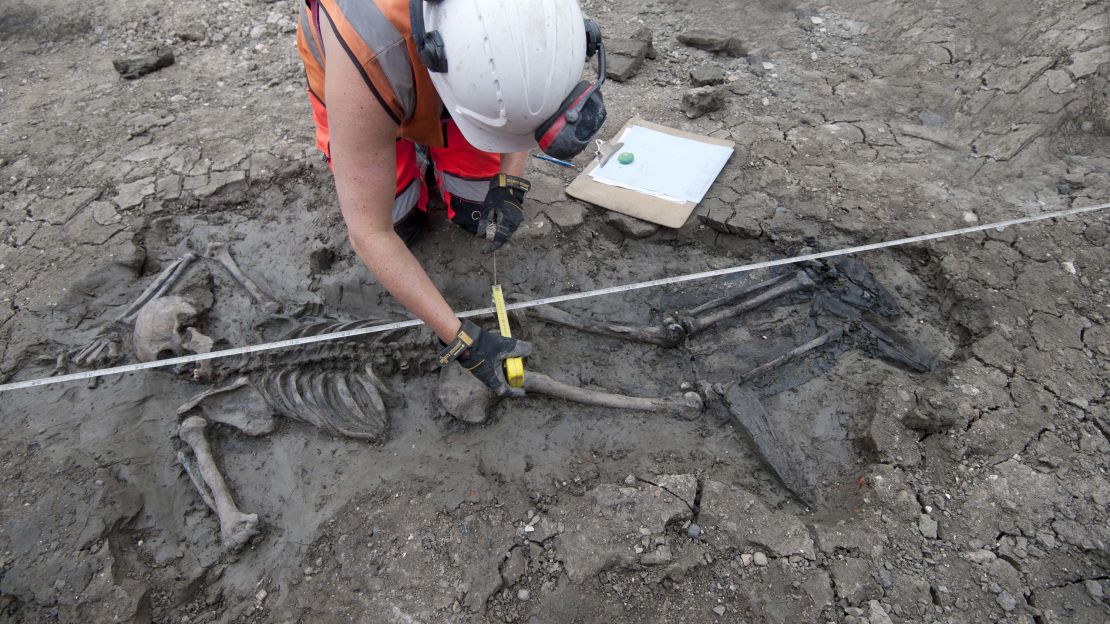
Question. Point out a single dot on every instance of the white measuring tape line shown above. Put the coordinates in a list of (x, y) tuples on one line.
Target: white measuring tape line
[(666, 281)]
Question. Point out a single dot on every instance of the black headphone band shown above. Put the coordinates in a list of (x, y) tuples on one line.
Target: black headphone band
[(429, 45)]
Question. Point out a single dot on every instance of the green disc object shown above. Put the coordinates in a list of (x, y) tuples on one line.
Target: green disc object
[(626, 158)]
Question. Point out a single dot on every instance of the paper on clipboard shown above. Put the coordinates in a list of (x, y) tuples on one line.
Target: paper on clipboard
[(669, 167)]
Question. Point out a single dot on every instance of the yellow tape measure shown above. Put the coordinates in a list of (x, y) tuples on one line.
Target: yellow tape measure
[(514, 367)]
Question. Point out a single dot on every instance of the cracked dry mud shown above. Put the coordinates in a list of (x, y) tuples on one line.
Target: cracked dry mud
[(976, 492)]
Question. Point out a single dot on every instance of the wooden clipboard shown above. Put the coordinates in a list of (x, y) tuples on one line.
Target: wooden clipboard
[(632, 203)]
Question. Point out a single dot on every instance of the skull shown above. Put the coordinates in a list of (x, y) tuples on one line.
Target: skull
[(161, 330)]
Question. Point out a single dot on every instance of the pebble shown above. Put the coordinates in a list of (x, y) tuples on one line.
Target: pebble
[(745, 560), (1006, 601), (134, 67), (693, 531), (1094, 589), (817, 20), (759, 559), (523, 595), (982, 557), (927, 526), (719, 609)]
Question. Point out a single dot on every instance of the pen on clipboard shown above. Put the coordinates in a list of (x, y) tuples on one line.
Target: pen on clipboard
[(554, 160)]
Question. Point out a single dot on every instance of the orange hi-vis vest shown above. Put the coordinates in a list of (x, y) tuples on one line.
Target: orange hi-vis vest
[(376, 34)]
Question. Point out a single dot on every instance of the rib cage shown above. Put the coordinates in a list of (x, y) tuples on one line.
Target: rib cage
[(344, 401)]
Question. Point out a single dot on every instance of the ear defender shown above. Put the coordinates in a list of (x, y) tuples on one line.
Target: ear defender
[(566, 133), (429, 45)]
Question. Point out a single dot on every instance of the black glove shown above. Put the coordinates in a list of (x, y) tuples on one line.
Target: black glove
[(503, 208), (483, 354)]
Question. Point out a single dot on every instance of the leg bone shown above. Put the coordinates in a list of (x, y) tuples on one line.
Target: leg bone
[(800, 350), (696, 324), (466, 399), (236, 528), (675, 330), (733, 297), (666, 336), (218, 252), (538, 383)]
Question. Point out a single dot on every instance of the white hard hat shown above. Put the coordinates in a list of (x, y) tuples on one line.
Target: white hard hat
[(510, 64)]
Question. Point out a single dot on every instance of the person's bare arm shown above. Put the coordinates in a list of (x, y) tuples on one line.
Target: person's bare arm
[(364, 160), (513, 164)]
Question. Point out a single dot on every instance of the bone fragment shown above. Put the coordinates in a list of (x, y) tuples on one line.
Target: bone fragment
[(830, 336), (165, 280), (236, 528), (539, 383), (695, 324), (666, 336), (218, 251)]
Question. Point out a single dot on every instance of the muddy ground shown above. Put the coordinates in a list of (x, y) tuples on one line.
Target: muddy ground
[(973, 492)]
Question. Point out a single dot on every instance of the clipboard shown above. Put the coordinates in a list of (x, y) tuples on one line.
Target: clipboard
[(632, 203)]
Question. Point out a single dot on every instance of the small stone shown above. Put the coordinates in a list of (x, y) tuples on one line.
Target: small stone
[(707, 76), (701, 100), (629, 226), (713, 42), (168, 187), (927, 526), (659, 556), (133, 194), (759, 559), (523, 595), (878, 614), (719, 610), (1084, 64), (134, 67), (224, 188), (981, 556), (626, 158), (566, 215), (104, 214), (514, 568), (746, 559), (630, 480), (625, 58), (693, 531), (1006, 601), (816, 20), (1094, 589)]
